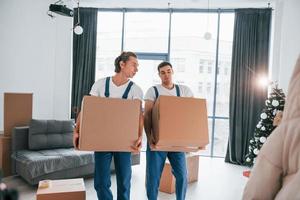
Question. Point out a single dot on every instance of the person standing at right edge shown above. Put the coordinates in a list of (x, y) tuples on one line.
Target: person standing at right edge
[(155, 160)]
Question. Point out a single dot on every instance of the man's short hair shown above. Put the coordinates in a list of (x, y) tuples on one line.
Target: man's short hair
[(162, 64), (124, 56)]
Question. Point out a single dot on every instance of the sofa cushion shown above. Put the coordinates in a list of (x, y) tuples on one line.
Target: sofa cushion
[(38, 163), (50, 134)]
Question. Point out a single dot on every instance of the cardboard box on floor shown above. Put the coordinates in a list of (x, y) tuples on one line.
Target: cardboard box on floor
[(68, 189), (167, 180), (109, 124), (17, 110), (5, 152), (179, 124)]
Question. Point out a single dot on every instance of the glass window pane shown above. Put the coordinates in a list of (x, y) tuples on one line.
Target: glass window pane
[(147, 75), (109, 37), (221, 137), (147, 68), (224, 65), (146, 32), (193, 56)]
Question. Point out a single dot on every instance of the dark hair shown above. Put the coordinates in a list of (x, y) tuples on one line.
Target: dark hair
[(162, 64), (124, 56)]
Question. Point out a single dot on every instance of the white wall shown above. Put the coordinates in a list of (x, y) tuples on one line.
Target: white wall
[(35, 51), (286, 40), (35, 56)]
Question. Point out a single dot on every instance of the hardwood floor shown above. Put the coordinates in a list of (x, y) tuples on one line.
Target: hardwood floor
[(217, 180)]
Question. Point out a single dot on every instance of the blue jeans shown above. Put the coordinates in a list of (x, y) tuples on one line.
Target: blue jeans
[(155, 161), (102, 181)]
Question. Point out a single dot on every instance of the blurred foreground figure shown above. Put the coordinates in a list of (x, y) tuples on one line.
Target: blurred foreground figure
[(276, 173)]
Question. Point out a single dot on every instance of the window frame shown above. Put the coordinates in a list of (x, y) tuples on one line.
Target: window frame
[(160, 55)]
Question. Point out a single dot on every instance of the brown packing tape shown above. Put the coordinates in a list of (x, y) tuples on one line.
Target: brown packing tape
[(44, 184)]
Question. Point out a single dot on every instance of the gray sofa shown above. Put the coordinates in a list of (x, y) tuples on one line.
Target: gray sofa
[(44, 150)]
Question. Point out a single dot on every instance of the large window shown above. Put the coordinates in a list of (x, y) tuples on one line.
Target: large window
[(202, 64), (221, 130), (146, 32), (109, 38)]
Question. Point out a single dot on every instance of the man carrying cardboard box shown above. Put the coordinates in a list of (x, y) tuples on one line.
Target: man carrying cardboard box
[(117, 86), (156, 159)]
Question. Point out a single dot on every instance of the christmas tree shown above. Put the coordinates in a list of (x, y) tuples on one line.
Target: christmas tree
[(264, 128)]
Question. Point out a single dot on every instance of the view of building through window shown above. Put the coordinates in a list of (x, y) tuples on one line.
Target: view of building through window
[(193, 57)]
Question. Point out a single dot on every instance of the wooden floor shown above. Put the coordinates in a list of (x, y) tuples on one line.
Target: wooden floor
[(217, 180)]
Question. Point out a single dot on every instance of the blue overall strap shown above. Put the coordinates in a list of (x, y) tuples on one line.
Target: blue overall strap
[(106, 93), (156, 92), (125, 95), (177, 90)]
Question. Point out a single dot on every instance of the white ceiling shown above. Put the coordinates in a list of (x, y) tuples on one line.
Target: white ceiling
[(177, 3)]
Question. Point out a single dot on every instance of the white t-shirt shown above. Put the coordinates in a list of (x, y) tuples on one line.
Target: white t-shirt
[(184, 92), (98, 89)]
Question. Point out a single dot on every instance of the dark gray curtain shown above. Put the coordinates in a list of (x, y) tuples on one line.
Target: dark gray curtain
[(250, 56), (84, 56)]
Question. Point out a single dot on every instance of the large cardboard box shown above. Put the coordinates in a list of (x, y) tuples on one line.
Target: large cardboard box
[(192, 167), (17, 110), (167, 180), (68, 189), (5, 153), (109, 124), (179, 124)]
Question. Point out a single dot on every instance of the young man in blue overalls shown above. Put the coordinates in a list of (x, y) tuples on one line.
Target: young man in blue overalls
[(117, 86), (156, 159)]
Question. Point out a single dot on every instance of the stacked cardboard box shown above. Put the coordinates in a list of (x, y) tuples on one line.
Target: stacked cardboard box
[(167, 180), (68, 189), (17, 112), (109, 124), (179, 124), (5, 152)]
